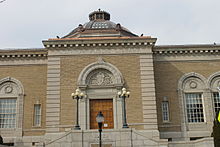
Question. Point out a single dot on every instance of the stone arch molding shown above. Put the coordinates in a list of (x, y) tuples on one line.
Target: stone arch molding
[(100, 65), (211, 82), (11, 86), (192, 80), (214, 81)]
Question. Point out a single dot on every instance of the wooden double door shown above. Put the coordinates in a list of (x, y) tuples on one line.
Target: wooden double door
[(106, 107)]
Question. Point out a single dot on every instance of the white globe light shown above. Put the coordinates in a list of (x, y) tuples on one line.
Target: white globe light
[(100, 118), (81, 94)]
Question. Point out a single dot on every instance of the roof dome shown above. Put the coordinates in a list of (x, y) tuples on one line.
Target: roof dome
[(99, 26)]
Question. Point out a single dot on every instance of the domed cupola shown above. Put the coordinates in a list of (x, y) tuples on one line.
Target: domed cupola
[(99, 15), (99, 26)]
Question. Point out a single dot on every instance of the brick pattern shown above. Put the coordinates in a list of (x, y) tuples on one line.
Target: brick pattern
[(53, 95), (148, 92), (33, 79)]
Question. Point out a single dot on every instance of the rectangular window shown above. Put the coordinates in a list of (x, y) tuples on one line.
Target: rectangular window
[(7, 113), (165, 111), (194, 107), (216, 101), (37, 114)]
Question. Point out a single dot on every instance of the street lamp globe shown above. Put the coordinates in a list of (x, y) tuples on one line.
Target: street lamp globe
[(100, 117)]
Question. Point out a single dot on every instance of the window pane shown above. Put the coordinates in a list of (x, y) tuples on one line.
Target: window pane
[(194, 107), (7, 113), (165, 111), (37, 115), (216, 101)]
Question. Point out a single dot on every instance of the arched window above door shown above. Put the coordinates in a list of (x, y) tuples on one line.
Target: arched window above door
[(100, 73), (100, 77)]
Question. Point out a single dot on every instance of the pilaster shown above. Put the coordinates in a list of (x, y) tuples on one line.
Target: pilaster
[(148, 92), (53, 95)]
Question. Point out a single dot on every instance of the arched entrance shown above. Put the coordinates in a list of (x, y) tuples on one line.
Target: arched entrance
[(101, 82)]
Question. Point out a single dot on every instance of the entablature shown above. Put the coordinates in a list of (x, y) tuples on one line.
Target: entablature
[(23, 53), (98, 42), (186, 49)]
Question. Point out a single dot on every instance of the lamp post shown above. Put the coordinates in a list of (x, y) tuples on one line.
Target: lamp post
[(100, 120), (124, 94), (77, 95)]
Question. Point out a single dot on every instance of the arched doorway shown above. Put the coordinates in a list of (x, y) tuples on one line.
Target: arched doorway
[(101, 82)]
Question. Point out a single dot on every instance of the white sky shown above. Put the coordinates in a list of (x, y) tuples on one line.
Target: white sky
[(25, 23)]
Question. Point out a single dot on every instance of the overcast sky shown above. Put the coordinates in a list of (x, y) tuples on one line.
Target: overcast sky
[(25, 23)]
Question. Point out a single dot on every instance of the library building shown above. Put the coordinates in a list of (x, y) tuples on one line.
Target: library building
[(103, 85)]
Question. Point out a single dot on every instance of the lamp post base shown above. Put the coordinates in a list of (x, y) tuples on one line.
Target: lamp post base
[(77, 127)]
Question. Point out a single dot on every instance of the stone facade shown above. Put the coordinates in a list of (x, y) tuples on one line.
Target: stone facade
[(100, 63)]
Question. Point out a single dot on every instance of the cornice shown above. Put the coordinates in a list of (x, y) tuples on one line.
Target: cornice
[(98, 42), (170, 50), (23, 53)]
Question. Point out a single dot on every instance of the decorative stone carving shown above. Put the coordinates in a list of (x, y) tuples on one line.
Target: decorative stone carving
[(100, 60), (192, 81), (193, 84), (8, 89), (100, 77), (214, 81), (89, 75)]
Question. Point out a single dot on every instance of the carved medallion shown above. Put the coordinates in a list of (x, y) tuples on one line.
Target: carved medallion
[(193, 85), (8, 89), (100, 78)]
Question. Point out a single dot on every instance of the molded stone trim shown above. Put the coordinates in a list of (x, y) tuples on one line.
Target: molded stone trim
[(19, 94), (53, 95), (17, 82), (186, 49), (182, 80), (118, 81), (211, 78)]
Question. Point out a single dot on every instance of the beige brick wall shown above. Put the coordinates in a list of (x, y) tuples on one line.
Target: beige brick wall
[(33, 78), (167, 75), (128, 65)]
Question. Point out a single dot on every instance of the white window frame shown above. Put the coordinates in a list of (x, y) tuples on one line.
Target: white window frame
[(8, 120), (214, 102), (165, 110), (37, 116), (203, 108)]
